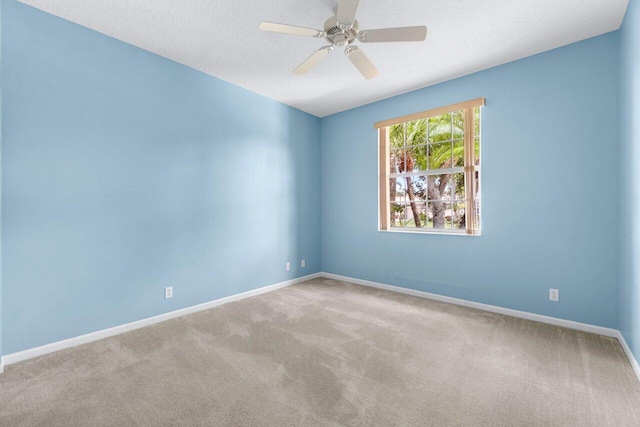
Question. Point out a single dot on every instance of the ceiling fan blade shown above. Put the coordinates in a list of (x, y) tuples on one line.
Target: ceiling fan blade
[(403, 34), (290, 29), (361, 62), (347, 11), (313, 60)]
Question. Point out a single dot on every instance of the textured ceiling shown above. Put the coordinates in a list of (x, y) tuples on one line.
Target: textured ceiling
[(221, 38)]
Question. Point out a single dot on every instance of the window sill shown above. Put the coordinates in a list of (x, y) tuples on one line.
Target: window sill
[(444, 233)]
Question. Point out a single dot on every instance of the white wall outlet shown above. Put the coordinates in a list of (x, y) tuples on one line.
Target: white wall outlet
[(287, 266), (303, 263), (554, 294), (168, 292)]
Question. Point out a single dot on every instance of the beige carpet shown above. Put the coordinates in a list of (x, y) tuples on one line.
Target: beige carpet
[(330, 353)]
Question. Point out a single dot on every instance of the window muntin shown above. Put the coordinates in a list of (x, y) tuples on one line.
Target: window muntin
[(430, 171)]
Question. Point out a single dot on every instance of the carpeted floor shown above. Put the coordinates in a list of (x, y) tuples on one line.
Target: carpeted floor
[(330, 353)]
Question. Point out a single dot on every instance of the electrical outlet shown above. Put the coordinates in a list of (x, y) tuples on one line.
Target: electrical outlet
[(303, 263), (287, 266), (168, 292), (554, 294)]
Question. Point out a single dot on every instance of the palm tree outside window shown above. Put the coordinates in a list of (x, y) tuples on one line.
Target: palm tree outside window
[(430, 170)]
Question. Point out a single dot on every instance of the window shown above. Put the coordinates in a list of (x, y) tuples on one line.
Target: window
[(430, 170)]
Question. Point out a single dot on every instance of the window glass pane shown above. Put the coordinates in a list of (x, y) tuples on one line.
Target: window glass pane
[(418, 188), (417, 158), (397, 190), (410, 160), (440, 128), (447, 179), (440, 155), (458, 186), (459, 217), (397, 214), (439, 187), (396, 136), (415, 214), (477, 200), (396, 161), (422, 209), (416, 132), (458, 124), (448, 215), (408, 215), (476, 224), (458, 153), (436, 211)]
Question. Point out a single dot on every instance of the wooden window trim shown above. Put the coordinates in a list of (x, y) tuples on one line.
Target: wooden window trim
[(384, 178), (479, 102), (469, 170)]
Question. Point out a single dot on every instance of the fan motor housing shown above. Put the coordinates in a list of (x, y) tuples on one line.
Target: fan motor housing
[(337, 36)]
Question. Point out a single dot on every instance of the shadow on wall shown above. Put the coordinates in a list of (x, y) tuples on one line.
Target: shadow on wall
[(126, 172), (629, 218)]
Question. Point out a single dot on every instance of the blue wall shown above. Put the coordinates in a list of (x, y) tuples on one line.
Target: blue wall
[(550, 190), (124, 172), (630, 178)]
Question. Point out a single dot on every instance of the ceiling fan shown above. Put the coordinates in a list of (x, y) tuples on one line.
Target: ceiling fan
[(342, 29)]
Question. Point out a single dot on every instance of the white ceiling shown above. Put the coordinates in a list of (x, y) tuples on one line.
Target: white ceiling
[(221, 38)]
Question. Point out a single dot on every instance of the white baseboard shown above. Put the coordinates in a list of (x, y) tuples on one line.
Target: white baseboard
[(485, 307), (585, 327), (20, 356), (630, 356), (116, 330)]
